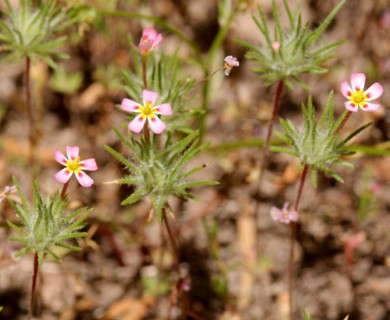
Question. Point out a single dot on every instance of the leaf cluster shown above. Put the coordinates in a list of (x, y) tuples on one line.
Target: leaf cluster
[(288, 54), (45, 224), (31, 32), (163, 77), (317, 144), (159, 173)]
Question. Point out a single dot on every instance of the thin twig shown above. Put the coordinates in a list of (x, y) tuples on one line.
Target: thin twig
[(144, 71), (30, 115), (293, 228), (33, 286), (275, 112), (64, 189)]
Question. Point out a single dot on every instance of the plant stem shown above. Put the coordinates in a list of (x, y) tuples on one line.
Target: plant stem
[(144, 71), (293, 228), (177, 261), (33, 286), (64, 189), (342, 124), (275, 111), (30, 115)]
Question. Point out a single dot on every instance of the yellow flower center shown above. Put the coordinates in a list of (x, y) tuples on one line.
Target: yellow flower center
[(147, 110), (358, 96), (74, 164)]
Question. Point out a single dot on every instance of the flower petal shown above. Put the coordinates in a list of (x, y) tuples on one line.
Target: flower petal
[(149, 33), (358, 80), (63, 176), (156, 125), (158, 40), (72, 152), (374, 92), (276, 213), (137, 124), (84, 179), (293, 216), (89, 164), (345, 89), (371, 107), (129, 105), (164, 109), (149, 96), (350, 106), (59, 157)]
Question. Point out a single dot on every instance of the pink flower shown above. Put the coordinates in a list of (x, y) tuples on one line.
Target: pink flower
[(73, 165), (357, 96), (230, 63), (284, 215), (147, 111), (149, 41)]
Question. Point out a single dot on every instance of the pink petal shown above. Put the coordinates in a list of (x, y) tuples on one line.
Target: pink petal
[(345, 89), (358, 80), (89, 164), (374, 92), (129, 105), (72, 152), (156, 125), (164, 109), (371, 107), (150, 96), (276, 213), (63, 176), (84, 179), (293, 216), (349, 106), (59, 157), (137, 124), (149, 33), (158, 40)]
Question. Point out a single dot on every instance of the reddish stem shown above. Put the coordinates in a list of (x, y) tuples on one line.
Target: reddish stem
[(64, 189), (177, 263), (30, 115), (33, 286), (275, 111), (111, 239), (144, 71), (342, 124), (293, 228)]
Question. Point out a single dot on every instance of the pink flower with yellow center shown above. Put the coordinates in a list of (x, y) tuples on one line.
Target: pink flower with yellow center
[(147, 111), (357, 96), (149, 41), (284, 215), (73, 165)]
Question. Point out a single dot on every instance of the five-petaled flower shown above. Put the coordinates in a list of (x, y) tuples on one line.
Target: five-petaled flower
[(147, 111), (73, 165), (229, 63), (149, 41), (357, 96), (284, 215)]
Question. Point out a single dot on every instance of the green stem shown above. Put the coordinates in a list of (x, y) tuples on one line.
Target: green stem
[(33, 286), (293, 228)]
